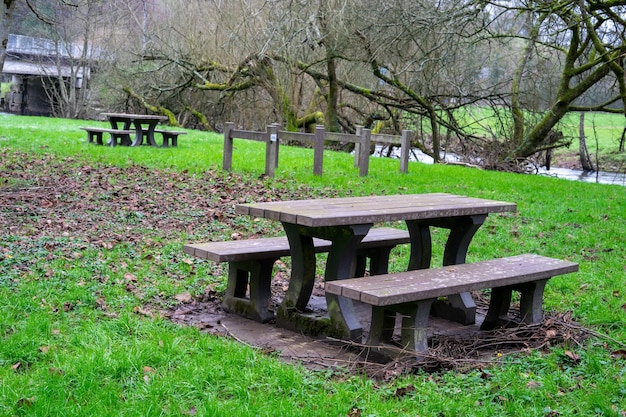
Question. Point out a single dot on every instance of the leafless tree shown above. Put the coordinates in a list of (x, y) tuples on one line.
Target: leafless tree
[(66, 83), (421, 64), (582, 42)]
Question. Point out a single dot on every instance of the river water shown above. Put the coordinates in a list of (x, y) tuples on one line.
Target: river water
[(599, 177), (615, 178)]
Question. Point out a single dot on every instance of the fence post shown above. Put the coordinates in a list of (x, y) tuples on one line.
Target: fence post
[(357, 146), (277, 126), (318, 150), (271, 150), (227, 162), (405, 147), (364, 153)]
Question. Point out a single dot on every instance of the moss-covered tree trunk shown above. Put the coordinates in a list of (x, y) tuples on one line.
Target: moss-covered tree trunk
[(576, 79), (332, 122), (171, 118), (535, 139), (434, 125)]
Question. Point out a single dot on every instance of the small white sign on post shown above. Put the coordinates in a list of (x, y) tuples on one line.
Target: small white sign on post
[(273, 137)]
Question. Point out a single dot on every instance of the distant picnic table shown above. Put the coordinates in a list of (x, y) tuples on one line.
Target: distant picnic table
[(144, 125), (131, 130)]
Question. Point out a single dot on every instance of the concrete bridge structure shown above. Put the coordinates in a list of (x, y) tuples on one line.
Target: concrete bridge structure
[(31, 65)]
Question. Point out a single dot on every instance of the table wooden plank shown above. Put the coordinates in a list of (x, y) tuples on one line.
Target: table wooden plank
[(136, 116), (372, 209)]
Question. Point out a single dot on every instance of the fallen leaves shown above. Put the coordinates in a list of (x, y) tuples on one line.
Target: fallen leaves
[(532, 385), (619, 354), (57, 201), (404, 391), (26, 402), (143, 312), (130, 277), (184, 298), (101, 304), (148, 371), (354, 412), (571, 357)]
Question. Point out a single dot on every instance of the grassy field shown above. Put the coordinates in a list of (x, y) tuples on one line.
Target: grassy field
[(603, 133), (77, 338)]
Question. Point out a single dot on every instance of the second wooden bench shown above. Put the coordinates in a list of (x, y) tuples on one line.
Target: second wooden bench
[(170, 135), (251, 261), (412, 293), (95, 134)]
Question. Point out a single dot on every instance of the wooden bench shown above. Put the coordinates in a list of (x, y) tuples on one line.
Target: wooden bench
[(412, 293), (95, 133), (170, 135), (251, 261)]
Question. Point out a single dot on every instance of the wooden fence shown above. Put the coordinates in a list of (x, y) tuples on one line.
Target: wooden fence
[(273, 136)]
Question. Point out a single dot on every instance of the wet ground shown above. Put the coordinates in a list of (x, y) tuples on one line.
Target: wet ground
[(452, 345)]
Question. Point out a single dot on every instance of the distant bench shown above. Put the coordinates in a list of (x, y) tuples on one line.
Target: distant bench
[(170, 135), (95, 133), (251, 262), (412, 293)]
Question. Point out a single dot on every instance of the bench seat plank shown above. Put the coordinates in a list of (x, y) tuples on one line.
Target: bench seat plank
[(170, 132), (107, 130), (411, 294), (95, 133), (244, 250), (277, 247), (250, 264), (405, 287), (170, 135)]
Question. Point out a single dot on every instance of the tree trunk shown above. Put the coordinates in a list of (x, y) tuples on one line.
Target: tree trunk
[(583, 152), (6, 12), (516, 107), (332, 124), (534, 140), (436, 138)]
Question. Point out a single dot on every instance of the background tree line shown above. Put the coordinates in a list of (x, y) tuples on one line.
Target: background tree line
[(491, 79)]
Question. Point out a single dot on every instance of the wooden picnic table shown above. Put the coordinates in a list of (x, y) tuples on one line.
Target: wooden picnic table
[(345, 221), (143, 124)]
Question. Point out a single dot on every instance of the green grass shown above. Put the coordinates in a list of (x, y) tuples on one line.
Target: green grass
[(603, 128), (65, 353), (603, 132)]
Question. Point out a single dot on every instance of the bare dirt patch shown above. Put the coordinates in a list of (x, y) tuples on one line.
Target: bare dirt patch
[(451, 346)]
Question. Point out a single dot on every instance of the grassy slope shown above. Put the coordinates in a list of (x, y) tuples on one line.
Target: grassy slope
[(603, 132), (84, 362)]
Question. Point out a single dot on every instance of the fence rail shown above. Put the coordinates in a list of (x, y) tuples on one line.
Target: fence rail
[(273, 136)]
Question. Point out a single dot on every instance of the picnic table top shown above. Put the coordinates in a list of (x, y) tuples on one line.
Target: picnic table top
[(372, 209), (135, 116)]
